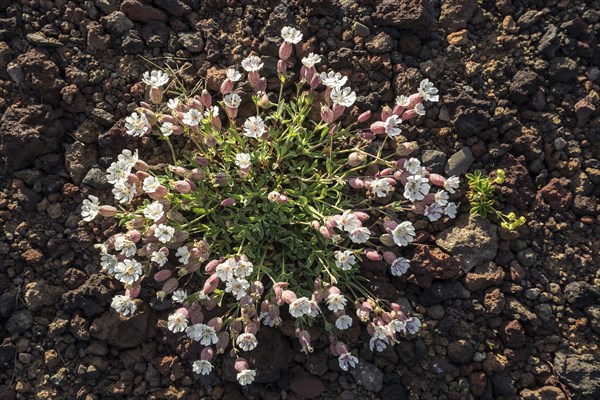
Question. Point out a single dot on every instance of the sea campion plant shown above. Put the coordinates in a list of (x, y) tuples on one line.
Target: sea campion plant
[(269, 215)]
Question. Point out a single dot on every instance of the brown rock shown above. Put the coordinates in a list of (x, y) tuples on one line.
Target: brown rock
[(458, 38), (513, 334), (494, 301), (494, 363), (584, 110), (137, 10), (214, 77), (40, 294), (33, 256), (543, 393), (307, 385), (406, 14), (125, 332), (432, 263), (51, 359), (484, 276), (455, 14), (477, 383), (557, 194)]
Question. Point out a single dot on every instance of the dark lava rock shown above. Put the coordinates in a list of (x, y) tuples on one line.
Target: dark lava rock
[(584, 109), (562, 69), (156, 34), (368, 376), (580, 372), (581, 294), (434, 160), (19, 322), (92, 297), (523, 86), (406, 14), (125, 332), (116, 23), (382, 43), (176, 8), (543, 393), (549, 43), (460, 352), (133, 42), (443, 291), (306, 385), (470, 121), (557, 194), (28, 132), (137, 10), (455, 14), (429, 264), (513, 335), (394, 392)]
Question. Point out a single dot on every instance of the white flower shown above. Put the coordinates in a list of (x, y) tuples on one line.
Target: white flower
[(451, 184), (123, 305), (416, 187), (242, 160), (381, 332), (155, 78), (347, 360), (179, 296), (336, 302), (154, 211), (90, 209), (391, 126), (378, 344), (247, 341), (108, 262), (243, 269), (150, 184), (312, 308), (402, 101), (427, 91), (450, 210), (441, 197), (237, 287), (125, 245), (299, 307), (246, 377), (434, 211), (128, 158), (420, 109), (349, 221), (124, 192), (381, 187), (173, 103), (159, 257), (310, 60), (403, 233), (397, 326), (164, 233), (211, 112), (136, 124), (225, 269), (333, 79), (202, 333), (118, 172), (412, 166), (202, 367), (252, 64), (343, 322), (291, 35), (343, 97), (233, 75), (128, 271), (413, 325), (192, 117), (254, 127), (177, 322), (344, 260), (184, 254), (166, 129), (360, 235), (232, 100), (400, 266)]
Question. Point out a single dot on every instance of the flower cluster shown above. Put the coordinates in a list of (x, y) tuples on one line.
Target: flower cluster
[(273, 214)]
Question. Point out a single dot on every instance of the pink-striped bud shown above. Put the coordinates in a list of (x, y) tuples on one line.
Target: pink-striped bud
[(182, 311), (261, 85), (315, 224), (133, 291), (211, 303), (304, 338), (288, 296), (211, 284), (150, 116), (327, 115), (206, 98), (141, 175), (281, 67), (398, 110), (145, 105), (389, 257), (315, 81), (338, 111), (216, 322), (341, 348), (107, 211), (364, 116), (197, 174), (177, 130), (228, 202), (378, 127), (396, 306), (223, 342), (362, 216), (235, 326), (183, 187), (408, 114), (385, 172), (253, 78), (356, 158), (356, 183), (368, 135), (170, 119), (141, 165), (232, 112), (207, 354), (211, 267), (170, 285), (180, 171), (437, 180), (156, 95), (134, 235), (386, 112), (216, 122), (317, 284), (226, 86), (389, 225), (197, 103), (413, 100), (195, 313), (332, 290), (241, 364), (251, 327), (373, 255), (285, 50), (133, 179), (325, 232)]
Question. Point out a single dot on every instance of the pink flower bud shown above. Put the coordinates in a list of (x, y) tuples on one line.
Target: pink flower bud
[(150, 116), (197, 103), (356, 183), (132, 178), (156, 95), (170, 285), (180, 171), (133, 291), (216, 123), (281, 67), (282, 199), (211, 303), (437, 180), (108, 211), (386, 112), (177, 130), (362, 216), (332, 290), (182, 311), (232, 112), (159, 193), (429, 198), (205, 98), (419, 208), (257, 287), (261, 85), (169, 118), (134, 235), (315, 224), (315, 81), (207, 354), (409, 114), (228, 202), (386, 317), (226, 87), (251, 327), (398, 110), (373, 255), (288, 296), (211, 284), (378, 127), (338, 111), (183, 187), (368, 135), (195, 313), (389, 257), (317, 284), (235, 326), (211, 267), (364, 116), (253, 78), (390, 225), (413, 100), (395, 306), (385, 172), (241, 365), (341, 348), (141, 175), (285, 50), (141, 165), (304, 338), (223, 342), (197, 174), (325, 232), (216, 322), (145, 105), (327, 115)]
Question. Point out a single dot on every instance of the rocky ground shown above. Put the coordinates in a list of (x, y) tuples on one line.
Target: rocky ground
[(506, 316)]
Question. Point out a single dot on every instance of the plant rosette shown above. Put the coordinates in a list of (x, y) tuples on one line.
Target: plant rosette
[(269, 215)]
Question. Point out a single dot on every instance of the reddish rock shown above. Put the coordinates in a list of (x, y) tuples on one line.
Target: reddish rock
[(513, 334), (477, 383), (214, 77), (137, 10), (584, 110), (518, 188), (517, 271), (494, 301), (432, 263), (484, 276), (543, 393), (557, 194), (307, 385)]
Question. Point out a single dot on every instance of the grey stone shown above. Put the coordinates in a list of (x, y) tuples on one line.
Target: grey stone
[(581, 294), (434, 160), (79, 157), (192, 42), (41, 40), (40, 294), (382, 43), (459, 162), (580, 372), (549, 43), (368, 376), (440, 292), (361, 30), (19, 322), (116, 23), (103, 117), (472, 240), (529, 18), (96, 178)]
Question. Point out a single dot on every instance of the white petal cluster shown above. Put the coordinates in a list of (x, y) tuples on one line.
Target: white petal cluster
[(254, 127), (349, 221), (303, 306), (400, 266), (202, 367), (128, 271), (452, 184), (343, 96), (291, 35), (246, 377), (336, 302), (427, 91), (192, 117), (403, 233), (205, 334), (347, 360), (237, 287), (183, 254), (242, 160), (233, 75), (360, 235), (90, 208), (123, 305), (154, 211), (164, 233), (391, 126), (333, 80), (137, 124), (345, 260), (416, 187), (247, 341), (343, 322), (232, 100), (252, 64), (177, 322), (155, 78), (311, 60), (381, 187)]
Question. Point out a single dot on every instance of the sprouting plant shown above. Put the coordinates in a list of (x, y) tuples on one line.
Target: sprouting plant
[(484, 200), (270, 213)]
